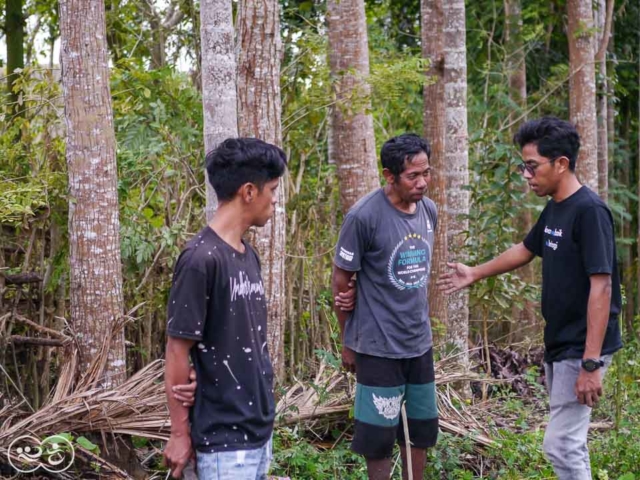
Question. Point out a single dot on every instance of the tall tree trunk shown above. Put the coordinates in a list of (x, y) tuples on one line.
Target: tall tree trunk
[(96, 277), (524, 319), (158, 49), (515, 51), (434, 115), (582, 88), (219, 99), (457, 160), (259, 115), (601, 100), (14, 37), (352, 143)]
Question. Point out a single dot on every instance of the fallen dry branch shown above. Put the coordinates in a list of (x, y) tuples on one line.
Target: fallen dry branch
[(137, 407)]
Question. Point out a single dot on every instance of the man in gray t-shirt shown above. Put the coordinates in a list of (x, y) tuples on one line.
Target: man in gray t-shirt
[(387, 238)]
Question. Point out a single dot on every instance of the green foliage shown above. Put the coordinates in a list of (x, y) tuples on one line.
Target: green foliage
[(87, 444), (297, 458)]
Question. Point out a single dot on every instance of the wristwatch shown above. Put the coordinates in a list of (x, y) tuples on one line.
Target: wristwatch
[(592, 364)]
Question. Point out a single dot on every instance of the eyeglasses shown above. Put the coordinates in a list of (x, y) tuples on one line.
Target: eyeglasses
[(414, 176), (531, 168)]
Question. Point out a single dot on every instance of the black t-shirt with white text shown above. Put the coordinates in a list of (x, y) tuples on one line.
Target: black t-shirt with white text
[(575, 238), (217, 299)]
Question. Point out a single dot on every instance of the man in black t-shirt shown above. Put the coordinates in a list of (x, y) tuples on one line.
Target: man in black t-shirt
[(217, 317), (580, 287)]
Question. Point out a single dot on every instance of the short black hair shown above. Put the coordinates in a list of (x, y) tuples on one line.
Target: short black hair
[(402, 148), (554, 138), (237, 161)]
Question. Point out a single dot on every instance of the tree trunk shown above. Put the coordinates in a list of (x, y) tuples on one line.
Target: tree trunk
[(457, 160), (219, 99), (582, 89), (434, 115), (601, 103), (96, 277), (352, 143), (158, 49), (524, 319), (14, 31), (259, 115)]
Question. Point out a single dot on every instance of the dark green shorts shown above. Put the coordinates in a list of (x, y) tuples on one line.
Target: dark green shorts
[(383, 385)]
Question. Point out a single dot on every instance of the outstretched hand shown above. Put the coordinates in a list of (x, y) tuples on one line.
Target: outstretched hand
[(459, 277)]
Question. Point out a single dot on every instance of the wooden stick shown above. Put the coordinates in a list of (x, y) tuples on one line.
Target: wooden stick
[(42, 342), (405, 426), (40, 328)]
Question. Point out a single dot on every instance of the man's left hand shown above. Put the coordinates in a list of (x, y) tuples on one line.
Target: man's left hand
[(589, 387)]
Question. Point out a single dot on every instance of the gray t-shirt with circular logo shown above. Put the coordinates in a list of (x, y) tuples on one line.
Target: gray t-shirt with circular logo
[(391, 250)]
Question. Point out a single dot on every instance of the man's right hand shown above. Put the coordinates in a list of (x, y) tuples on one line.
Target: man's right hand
[(459, 277), (348, 359), (177, 453)]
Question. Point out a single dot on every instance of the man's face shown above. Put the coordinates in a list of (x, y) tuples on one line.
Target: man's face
[(264, 204), (411, 185), (541, 173)]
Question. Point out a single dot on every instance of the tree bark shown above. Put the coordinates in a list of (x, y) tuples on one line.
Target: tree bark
[(524, 319), (351, 143), (96, 277), (259, 115), (457, 160), (582, 89), (601, 101), (219, 99), (434, 118), (14, 37)]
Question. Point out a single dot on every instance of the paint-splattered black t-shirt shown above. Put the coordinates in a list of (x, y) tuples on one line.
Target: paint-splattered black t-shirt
[(217, 299)]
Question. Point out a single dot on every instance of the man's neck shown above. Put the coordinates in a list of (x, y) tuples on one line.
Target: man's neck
[(397, 202), (566, 188), (230, 225)]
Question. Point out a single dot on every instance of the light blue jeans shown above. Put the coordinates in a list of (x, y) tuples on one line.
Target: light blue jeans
[(235, 465), (565, 440)]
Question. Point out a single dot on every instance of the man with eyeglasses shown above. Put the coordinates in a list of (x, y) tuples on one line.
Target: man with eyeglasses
[(581, 298), (387, 238)]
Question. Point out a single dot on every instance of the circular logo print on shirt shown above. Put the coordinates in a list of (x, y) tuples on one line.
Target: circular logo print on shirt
[(410, 263)]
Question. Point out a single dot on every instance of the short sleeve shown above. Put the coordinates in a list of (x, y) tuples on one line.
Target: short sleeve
[(535, 237), (432, 212), (351, 244), (596, 240), (187, 309)]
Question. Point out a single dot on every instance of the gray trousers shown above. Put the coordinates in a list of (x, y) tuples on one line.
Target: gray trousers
[(565, 440)]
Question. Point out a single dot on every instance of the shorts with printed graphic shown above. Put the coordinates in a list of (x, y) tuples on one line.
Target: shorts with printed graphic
[(383, 384)]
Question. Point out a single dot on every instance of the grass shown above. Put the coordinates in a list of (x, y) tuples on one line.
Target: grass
[(615, 452)]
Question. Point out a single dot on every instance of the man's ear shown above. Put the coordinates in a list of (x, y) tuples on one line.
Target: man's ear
[(388, 176), (563, 162), (248, 192)]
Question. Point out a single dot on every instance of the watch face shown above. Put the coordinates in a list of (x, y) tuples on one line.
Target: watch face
[(589, 365)]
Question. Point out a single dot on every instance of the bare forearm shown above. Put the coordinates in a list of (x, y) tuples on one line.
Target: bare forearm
[(511, 259), (597, 316), (340, 284), (177, 373)]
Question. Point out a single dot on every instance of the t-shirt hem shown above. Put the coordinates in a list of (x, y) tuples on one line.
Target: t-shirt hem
[(597, 270), (217, 449), (529, 247), (346, 267), (393, 355), (185, 336), (577, 354)]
